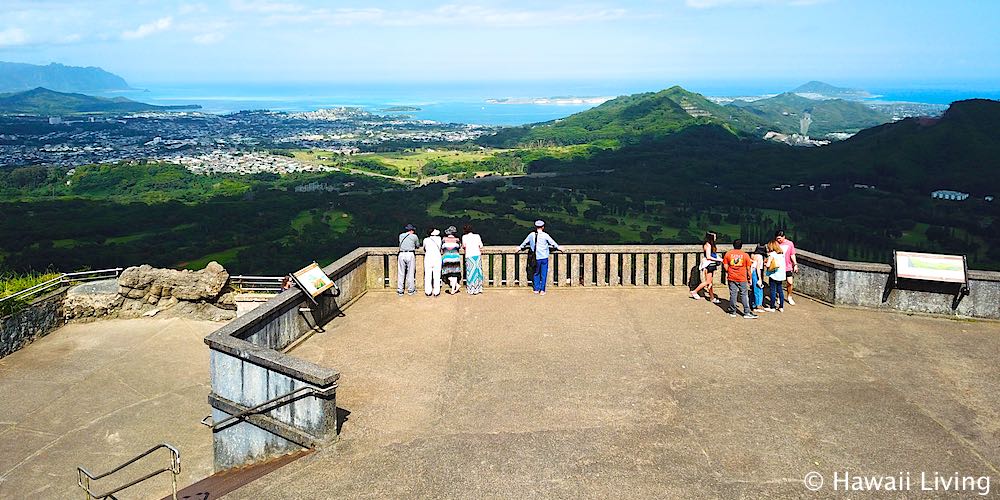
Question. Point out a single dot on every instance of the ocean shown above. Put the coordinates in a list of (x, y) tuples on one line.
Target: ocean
[(520, 102)]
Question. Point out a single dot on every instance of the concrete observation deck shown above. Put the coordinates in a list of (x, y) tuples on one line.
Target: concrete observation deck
[(615, 383), (640, 393)]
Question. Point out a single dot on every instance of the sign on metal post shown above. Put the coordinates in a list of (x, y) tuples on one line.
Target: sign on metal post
[(313, 280), (931, 267)]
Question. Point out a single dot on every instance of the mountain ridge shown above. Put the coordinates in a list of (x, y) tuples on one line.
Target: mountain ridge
[(42, 101), (18, 77)]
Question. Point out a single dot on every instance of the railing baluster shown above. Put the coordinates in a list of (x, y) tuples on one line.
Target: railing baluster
[(627, 278), (509, 274), (602, 270), (393, 263), (575, 268), (640, 269), (588, 269), (614, 269)]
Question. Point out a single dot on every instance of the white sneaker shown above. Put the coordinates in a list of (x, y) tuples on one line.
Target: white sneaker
[(768, 309), (781, 309), (694, 296), (790, 301), (716, 301)]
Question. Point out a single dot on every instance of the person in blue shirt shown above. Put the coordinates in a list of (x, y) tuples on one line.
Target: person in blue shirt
[(542, 244)]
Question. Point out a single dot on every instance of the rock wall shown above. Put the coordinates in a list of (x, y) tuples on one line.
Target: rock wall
[(148, 291), (25, 326)]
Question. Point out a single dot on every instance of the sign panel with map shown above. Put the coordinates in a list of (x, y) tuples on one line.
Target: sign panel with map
[(313, 280), (931, 267)]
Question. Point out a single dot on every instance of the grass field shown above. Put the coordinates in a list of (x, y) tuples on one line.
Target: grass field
[(337, 220), (225, 257), (407, 163)]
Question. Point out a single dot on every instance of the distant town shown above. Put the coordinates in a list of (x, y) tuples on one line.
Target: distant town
[(212, 143)]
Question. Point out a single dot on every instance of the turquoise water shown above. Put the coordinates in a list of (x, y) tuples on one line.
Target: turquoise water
[(468, 102)]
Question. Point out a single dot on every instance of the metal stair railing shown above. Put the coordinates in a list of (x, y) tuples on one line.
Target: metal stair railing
[(85, 477), (66, 278), (263, 407), (257, 284)]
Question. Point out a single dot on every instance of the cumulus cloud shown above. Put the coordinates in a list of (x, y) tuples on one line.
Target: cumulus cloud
[(13, 36), (147, 29)]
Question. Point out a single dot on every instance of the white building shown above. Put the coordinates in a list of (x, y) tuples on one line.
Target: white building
[(944, 194)]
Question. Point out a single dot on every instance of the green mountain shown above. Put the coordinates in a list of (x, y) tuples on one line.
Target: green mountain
[(42, 101), (828, 91), (630, 118), (18, 77), (782, 114), (958, 151)]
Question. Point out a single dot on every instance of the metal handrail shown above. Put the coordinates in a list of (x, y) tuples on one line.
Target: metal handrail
[(257, 283), (84, 477), (64, 278), (292, 395)]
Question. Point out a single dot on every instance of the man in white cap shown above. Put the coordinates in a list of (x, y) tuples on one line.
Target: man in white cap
[(541, 243), (407, 260)]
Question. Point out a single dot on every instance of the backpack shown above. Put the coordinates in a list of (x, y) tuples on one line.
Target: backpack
[(532, 260)]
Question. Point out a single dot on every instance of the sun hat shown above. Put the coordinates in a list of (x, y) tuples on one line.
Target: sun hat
[(450, 231), (409, 227), (539, 223), (435, 232)]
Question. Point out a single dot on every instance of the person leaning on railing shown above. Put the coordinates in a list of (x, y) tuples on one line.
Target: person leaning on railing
[(541, 243), (407, 262)]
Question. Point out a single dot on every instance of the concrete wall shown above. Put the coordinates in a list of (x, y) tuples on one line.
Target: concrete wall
[(869, 285), (34, 321), (248, 368)]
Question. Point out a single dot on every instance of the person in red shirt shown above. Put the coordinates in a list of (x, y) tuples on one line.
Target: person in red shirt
[(737, 264)]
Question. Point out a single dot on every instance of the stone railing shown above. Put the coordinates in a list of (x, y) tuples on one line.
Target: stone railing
[(869, 285), (574, 266), (249, 366)]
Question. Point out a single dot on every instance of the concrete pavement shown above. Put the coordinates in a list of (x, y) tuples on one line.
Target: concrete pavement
[(641, 393), (96, 394)]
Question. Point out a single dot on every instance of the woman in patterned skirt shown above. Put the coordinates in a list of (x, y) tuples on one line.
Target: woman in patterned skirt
[(473, 246), (451, 260)]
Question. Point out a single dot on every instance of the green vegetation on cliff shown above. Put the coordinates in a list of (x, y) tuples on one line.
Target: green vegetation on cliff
[(632, 118), (42, 101)]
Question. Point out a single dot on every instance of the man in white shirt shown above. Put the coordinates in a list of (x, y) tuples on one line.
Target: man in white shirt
[(541, 243)]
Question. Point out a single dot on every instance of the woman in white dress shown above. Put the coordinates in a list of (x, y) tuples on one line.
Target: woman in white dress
[(432, 263), (473, 246)]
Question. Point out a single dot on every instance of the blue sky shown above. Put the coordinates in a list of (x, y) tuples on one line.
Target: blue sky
[(841, 41)]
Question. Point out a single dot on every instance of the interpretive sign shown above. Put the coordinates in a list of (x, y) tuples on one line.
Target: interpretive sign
[(313, 280), (931, 267)]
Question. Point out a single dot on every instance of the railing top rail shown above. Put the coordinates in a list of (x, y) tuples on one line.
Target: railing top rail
[(175, 461), (62, 278), (174, 468), (499, 249), (263, 278), (290, 395), (37, 288), (98, 271)]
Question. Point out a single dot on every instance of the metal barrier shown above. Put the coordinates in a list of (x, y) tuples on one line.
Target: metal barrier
[(85, 477), (66, 278), (257, 284), (266, 406)]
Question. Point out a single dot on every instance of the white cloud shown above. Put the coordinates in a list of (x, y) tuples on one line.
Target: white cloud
[(192, 8), (147, 29), (449, 15), (13, 36), (265, 7), (711, 4), (209, 38)]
